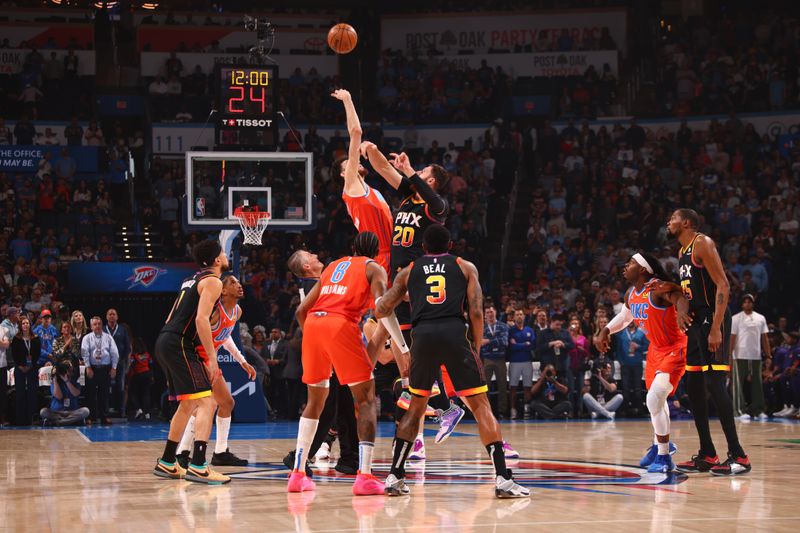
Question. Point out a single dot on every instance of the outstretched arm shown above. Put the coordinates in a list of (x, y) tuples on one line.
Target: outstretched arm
[(672, 294), (392, 298), (377, 278), (381, 164), (352, 181), (435, 202)]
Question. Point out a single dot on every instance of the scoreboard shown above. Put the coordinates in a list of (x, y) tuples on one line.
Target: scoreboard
[(247, 100)]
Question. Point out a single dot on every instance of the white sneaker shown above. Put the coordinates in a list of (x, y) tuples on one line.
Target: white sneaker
[(147, 416), (743, 417), (612, 415), (763, 416), (514, 414), (324, 452), (793, 411), (593, 415), (418, 452), (508, 488), (783, 411)]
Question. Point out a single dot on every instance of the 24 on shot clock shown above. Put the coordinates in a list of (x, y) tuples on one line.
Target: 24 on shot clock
[(247, 98)]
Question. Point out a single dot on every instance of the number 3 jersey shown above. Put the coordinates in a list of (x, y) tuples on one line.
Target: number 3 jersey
[(345, 289), (222, 330), (437, 288)]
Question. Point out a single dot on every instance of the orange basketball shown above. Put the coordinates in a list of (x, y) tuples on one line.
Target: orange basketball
[(342, 38)]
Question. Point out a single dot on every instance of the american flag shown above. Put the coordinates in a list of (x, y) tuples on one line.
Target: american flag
[(294, 213)]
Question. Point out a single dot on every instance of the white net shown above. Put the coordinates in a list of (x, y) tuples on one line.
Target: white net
[(253, 224)]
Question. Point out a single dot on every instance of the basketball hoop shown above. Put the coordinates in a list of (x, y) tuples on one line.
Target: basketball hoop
[(253, 223)]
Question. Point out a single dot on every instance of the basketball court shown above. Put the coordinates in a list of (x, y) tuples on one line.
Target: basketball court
[(583, 475)]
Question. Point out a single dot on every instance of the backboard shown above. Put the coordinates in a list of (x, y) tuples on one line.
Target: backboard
[(278, 182)]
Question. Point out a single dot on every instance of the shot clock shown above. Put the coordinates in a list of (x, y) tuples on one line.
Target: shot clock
[(246, 103)]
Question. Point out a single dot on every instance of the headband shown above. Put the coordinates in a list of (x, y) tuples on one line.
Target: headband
[(642, 262)]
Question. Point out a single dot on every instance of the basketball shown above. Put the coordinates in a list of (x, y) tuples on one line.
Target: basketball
[(342, 38)]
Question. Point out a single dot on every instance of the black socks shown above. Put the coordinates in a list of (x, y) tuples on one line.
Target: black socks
[(199, 455), (400, 450), (498, 457), (169, 451)]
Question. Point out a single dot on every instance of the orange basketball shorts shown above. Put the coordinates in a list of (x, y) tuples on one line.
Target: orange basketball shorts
[(333, 341), (671, 360)]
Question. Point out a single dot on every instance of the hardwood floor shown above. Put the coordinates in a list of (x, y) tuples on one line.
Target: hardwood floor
[(99, 479)]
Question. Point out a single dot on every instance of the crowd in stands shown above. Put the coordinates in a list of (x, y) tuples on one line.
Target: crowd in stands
[(745, 60)]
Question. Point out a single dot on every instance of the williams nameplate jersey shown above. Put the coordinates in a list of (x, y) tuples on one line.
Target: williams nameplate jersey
[(696, 282), (437, 288), (184, 310)]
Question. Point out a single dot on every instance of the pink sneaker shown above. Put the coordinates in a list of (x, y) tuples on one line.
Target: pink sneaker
[(418, 452), (509, 452), (367, 485), (300, 482)]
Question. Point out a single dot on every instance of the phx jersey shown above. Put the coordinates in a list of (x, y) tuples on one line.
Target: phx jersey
[(222, 330), (437, 288), (184, 310), (411, 221), (700, 290), (370, 212)]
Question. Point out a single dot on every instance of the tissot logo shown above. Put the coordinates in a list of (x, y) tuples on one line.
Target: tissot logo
[(246, 123)]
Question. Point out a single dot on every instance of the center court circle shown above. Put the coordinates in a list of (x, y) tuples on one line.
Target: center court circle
[(477, 471)]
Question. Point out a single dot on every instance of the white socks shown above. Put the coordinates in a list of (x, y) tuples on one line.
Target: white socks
[(659, 411), (223, 428), (404, 382), (187, 441), (305, 435), (365, 450)]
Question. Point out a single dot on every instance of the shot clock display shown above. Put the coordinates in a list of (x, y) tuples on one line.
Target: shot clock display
[(246, 103), (247, 91)]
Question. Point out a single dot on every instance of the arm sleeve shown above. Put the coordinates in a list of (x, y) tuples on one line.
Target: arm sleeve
[(404, 189), (233, 350), (436, 203), (620, 321)]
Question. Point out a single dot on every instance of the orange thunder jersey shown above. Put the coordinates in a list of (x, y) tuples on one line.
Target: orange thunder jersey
[(659, 324), (222, 330), (371, 213), (344, 289)]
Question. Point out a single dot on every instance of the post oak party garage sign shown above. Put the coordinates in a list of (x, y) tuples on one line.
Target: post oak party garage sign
[(480, 32)]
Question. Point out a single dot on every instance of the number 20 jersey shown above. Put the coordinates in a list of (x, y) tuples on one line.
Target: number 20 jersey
[(410, 222), (437, 288)]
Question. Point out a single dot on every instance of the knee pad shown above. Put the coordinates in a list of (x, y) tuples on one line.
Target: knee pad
[(660, 389)]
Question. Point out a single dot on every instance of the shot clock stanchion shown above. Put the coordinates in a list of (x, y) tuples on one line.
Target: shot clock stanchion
[(247, 103)]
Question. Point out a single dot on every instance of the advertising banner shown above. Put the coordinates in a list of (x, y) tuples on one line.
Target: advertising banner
[(12, 60), (128, 278), (45, 35), (547, 64), (21, 158)]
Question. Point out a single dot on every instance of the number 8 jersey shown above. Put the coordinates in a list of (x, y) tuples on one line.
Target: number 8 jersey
[(437, 288), (345, 289)]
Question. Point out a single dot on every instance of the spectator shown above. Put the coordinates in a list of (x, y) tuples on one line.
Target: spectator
[(65, 166), (24, 131), (522, 339), (600, 393), (100, 356), (47, 333), (67, 347), (64, 407), (493, 355), (73, 133), (25, 349), (550, 395), (140, 379), (94, 135), (553, 346), (119, 332), (275, 352), (630, 349), (579, 356), (6, 360), (6, 136), (79, 327), (11, 323), (750, 342), (21, 247)]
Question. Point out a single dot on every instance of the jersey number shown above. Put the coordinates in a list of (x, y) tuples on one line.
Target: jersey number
[(339, 272), (404, 236), (687, 290), (436, 284)]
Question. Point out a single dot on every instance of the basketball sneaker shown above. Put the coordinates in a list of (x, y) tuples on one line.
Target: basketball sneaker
[(509, 452), (449, 419), (652, 453), (661, 465), (324, 452), (405, 400), (300, 482), (698, 463), (506, 487), (169, 471), (394, 486), (733, 466), (205, 474), (226, 458), (418, 452), (183, 458), (367, 485)]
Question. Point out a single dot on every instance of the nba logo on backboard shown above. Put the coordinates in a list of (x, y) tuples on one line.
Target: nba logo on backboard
[(145, 275), (200, 207)]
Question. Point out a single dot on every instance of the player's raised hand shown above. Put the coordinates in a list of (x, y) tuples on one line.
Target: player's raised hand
[(341, 94), (366, 145), (401, 162)]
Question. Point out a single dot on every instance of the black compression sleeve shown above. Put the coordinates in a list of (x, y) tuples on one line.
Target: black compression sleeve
[(436, 203), (404, 189)]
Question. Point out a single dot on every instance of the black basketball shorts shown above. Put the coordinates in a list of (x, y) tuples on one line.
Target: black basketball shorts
[(186, 374), (437, 343), (698, 357)]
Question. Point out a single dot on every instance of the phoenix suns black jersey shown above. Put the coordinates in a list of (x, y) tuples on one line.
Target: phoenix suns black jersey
[(696, 282), (437, 288), (184, 310)]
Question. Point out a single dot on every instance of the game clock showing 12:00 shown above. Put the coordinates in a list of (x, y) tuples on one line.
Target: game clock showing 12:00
[(247, 91)]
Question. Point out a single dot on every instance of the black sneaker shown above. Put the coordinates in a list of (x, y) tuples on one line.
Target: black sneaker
[(346, 467), (288, 462), (733, 466), (226, 458), (698, 463), (183, 459)]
